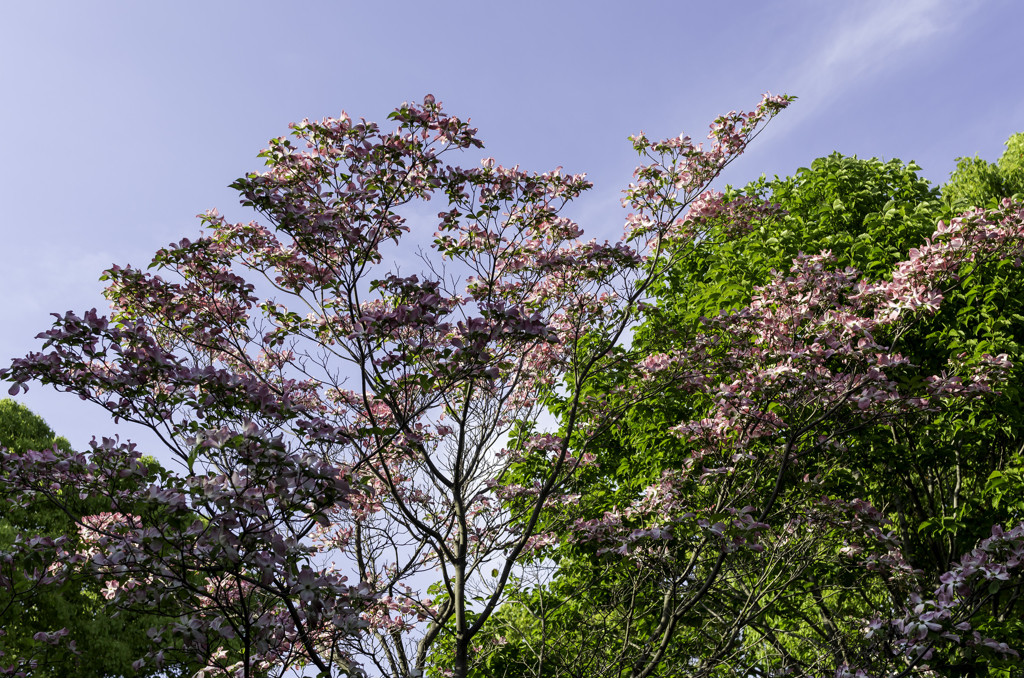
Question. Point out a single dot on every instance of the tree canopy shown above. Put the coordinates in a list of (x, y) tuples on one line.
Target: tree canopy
[(786, 434), (941, 478)]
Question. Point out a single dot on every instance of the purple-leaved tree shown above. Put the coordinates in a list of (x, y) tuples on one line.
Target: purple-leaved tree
[(341, 439)]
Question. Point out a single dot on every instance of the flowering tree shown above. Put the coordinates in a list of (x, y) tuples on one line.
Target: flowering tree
[(933, 473), (356, 431)]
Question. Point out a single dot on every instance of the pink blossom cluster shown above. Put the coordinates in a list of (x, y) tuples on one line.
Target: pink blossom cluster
[(917, 283), (737, 215), (680, 172)]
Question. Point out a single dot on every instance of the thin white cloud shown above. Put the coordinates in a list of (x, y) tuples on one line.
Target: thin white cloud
[(869, 37)]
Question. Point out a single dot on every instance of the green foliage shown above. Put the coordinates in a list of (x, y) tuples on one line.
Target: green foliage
[(943, 479), (973, 183), (978, 183), (867, 212), (1011, 164), (21, 430), (930, 475), (107, 644)]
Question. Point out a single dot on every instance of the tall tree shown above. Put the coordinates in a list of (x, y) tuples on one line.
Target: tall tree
[(287, 466)]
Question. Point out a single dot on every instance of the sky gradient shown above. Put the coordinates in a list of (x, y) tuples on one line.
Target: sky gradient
[(124, 120)]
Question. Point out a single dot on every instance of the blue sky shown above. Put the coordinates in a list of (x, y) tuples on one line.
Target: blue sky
[(121, 121)]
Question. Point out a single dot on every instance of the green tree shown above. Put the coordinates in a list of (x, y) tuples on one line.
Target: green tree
[(105, 644), (869, 213), (943, 479), (930, 475), (977, 183)]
